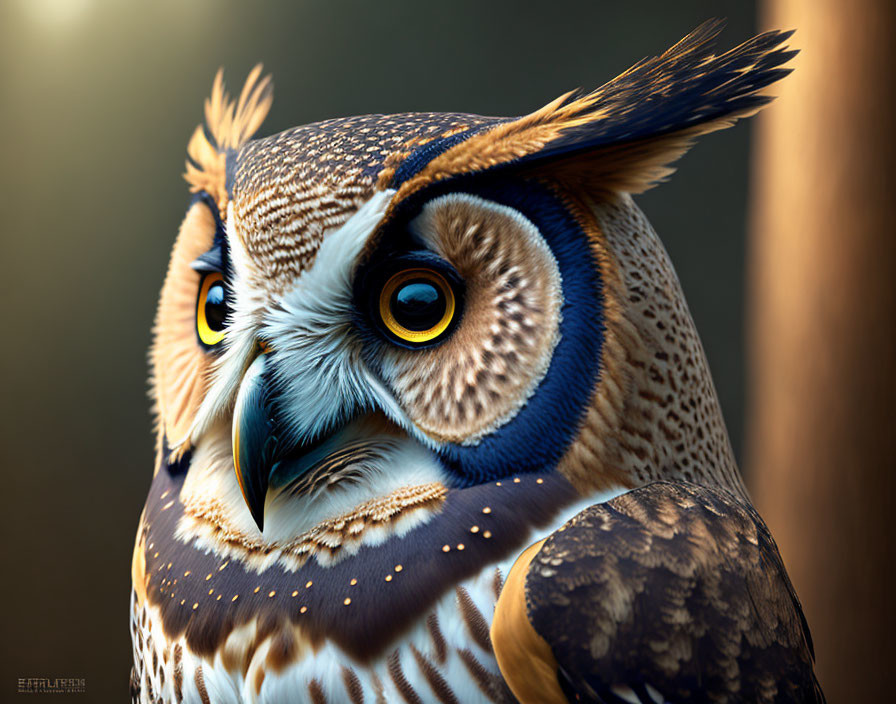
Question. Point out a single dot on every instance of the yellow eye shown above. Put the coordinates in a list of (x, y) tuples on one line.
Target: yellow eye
[(417, 305), (211, 309)]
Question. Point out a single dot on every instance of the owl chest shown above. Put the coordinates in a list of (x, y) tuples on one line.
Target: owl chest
[(406, 619), (446, 656)]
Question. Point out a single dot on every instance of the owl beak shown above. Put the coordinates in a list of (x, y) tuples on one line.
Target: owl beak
[(255, 439)]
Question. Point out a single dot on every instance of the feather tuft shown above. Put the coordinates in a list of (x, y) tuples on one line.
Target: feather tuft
[(624, 135), (228, 125)]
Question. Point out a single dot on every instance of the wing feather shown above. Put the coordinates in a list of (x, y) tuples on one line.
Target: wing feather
[(671, 592)]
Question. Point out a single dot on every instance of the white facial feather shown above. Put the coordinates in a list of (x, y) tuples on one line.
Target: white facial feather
[(317, 362), (320, 379), (401, 463), (319, 366), (239, 345)]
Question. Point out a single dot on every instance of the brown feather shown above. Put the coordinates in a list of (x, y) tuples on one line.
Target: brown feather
[(228, 125), (624, 135), (179, 364), (675, 586)]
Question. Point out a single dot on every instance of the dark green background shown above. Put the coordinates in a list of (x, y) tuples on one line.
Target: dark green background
[(95, 113)]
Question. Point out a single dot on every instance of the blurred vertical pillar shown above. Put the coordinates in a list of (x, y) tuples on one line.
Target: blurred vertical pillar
[(821, 436)]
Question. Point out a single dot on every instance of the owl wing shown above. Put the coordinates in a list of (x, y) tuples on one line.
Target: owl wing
[(671, 592)]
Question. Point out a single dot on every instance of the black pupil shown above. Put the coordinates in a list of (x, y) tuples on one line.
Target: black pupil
[(418, 305), (215, 306)]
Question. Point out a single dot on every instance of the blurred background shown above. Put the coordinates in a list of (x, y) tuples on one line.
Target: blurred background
[(97, 101)]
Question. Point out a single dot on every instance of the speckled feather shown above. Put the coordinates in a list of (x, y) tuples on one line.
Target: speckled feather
[(292, 187), (675, 586)]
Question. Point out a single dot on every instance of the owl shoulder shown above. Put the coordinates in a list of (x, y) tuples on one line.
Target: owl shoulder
[(670, 592)]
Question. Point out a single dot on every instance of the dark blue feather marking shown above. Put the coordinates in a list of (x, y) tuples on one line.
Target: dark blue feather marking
[(536, 438), (174, 466), (685, 87), (425, 154), (542, 430)]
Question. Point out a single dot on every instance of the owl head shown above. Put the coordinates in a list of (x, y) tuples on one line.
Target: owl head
[(381, 308)]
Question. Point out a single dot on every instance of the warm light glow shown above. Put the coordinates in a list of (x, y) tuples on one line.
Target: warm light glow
[(55, 13)]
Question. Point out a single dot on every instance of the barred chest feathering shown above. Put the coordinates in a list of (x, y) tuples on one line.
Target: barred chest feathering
[(390, 603)]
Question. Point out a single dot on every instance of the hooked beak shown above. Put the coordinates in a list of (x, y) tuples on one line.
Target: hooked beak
[(256, 445), (266, 456)]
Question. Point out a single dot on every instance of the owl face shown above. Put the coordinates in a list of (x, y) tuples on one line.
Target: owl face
[(360, 344), (384, 308)]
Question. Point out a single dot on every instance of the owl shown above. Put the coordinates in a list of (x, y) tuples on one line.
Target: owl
[(433, 420)]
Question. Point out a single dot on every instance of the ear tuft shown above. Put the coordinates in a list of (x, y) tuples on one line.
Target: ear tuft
[(624, 135), (228, 125)]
